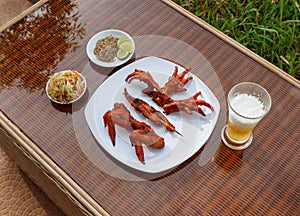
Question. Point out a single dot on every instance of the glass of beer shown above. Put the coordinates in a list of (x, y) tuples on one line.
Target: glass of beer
[(248, 103)]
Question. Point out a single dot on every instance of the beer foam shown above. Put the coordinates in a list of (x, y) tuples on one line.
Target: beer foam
[(248, 111), (248, 105)]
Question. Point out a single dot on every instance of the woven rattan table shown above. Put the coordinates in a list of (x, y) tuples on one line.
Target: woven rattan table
[(53, 145)]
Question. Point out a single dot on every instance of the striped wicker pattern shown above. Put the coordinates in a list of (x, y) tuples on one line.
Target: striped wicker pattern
[(261, 180)]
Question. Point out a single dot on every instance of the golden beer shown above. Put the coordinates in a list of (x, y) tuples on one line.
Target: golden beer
[(245, 111), (248, 103), (236, 134)]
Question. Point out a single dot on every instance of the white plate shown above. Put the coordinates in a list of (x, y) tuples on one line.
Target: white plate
[(195, 128), (100, 35)]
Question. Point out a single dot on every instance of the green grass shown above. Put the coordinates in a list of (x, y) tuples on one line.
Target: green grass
[(270, 28)]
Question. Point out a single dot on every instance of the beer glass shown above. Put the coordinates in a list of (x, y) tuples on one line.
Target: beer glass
[(248, 103)]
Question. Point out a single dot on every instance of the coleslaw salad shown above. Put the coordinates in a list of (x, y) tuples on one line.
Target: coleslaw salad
[(66, 86)]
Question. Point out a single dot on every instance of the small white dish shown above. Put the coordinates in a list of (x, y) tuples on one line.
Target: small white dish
[(81, 90), (100, 35)]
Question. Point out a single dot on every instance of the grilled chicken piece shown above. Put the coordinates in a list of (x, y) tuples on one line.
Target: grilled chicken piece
[(187, 105), (141, 133), (150, 112), (176, 82)]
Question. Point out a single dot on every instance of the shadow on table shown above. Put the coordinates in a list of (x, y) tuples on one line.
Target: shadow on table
[(228, 159), (70, 108)]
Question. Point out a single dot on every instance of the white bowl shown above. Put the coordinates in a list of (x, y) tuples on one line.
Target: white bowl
[(76, 98), (100, 35)]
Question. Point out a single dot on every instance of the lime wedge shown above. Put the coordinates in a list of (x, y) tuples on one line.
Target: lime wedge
[(121, 40), (126, 46), (121, 54)]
